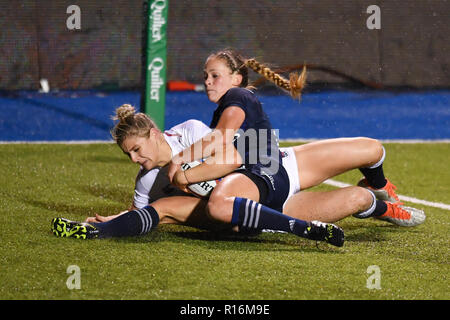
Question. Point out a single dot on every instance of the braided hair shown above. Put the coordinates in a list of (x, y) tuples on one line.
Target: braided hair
[(237, 63)]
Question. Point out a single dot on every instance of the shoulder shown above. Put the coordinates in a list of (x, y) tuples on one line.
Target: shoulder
[(194, 124), (239, 97), (190, 129), (184, 134), (238, 92), (190, 125)]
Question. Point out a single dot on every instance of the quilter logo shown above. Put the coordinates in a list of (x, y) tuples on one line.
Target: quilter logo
[(157, 19), (156, 80)]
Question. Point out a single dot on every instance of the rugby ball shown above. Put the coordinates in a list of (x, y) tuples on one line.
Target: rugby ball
[(202, 189)]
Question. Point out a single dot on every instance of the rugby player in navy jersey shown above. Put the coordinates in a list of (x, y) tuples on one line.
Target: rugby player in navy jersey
[(235, 198), (251, 198)]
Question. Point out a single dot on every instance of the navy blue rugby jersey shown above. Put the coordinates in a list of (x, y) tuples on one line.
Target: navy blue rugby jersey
[(256, 141)]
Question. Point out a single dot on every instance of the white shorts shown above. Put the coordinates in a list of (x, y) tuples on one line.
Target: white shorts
[(290, 164)]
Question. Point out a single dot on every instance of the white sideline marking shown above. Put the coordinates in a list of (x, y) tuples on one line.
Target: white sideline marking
[(439, 205), (293, 140), (59, 142), (401, 141)]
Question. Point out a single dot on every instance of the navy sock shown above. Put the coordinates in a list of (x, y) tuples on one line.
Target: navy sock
[(248, 214), (380, 208), (131, 223), (374, 174), (377, 209)]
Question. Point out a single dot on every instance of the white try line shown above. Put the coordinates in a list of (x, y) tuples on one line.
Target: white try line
[(59, 142), (403, 198), (401, 141), (293, 140)]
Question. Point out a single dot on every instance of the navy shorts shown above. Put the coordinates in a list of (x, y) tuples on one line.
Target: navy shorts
[(273, 188)]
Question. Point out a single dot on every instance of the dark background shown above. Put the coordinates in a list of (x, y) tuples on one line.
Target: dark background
[(411, 49)]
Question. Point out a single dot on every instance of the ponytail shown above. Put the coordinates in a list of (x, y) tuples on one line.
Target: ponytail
[(294, 85), (236, 63)]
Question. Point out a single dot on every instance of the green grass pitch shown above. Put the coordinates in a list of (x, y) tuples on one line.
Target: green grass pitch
[(42, 181)]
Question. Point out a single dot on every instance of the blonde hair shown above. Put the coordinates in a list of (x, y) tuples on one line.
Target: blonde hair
[(130, 124), (236, 63), (294, 85)]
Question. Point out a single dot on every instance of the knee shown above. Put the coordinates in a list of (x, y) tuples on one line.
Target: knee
[(374, 150), (377, 149), (215, 208), (160, 208), (361, 198)]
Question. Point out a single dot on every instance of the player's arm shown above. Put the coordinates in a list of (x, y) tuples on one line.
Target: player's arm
[(230, 121), (215, 141), (100, 218), (217, 166)]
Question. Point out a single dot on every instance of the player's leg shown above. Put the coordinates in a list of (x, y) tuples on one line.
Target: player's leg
[(318, 161), (131, 223), (328, 206), (189, 211), (321, 160), (334, 205), (179, 210), (234, 200)]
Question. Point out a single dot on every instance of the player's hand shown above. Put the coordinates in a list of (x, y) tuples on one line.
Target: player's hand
[(98, 218), (180, 181), (174, 167)]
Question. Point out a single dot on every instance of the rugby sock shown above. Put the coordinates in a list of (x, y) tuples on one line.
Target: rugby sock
[(248, 214), (377, 208), (131, 223), (374, 174), (380, 208)]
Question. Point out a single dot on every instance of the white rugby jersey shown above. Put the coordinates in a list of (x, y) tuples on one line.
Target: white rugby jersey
[(154, 184)]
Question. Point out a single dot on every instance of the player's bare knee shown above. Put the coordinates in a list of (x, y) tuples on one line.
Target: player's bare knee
[(215, 208), (161, 208), (375, 148), (371, 148), (358, 198), (362, 198)]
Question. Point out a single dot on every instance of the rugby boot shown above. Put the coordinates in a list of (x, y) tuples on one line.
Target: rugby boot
[(65, 228)]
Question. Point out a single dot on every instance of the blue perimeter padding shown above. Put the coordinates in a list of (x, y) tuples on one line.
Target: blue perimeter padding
[(86, 115)]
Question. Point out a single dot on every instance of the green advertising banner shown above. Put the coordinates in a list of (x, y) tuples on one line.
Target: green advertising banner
[(155, 82)]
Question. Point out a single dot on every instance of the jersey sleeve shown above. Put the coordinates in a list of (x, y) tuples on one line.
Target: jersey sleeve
[(191, 131), (144, 183), (238, 97)]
